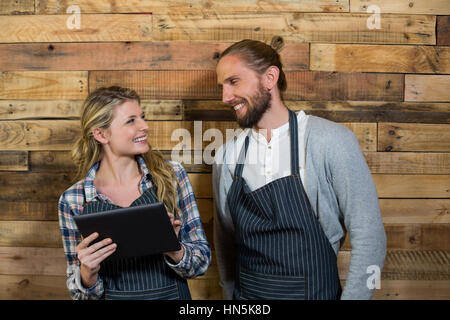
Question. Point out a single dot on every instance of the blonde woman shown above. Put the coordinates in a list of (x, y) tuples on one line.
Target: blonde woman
[(118, 168)]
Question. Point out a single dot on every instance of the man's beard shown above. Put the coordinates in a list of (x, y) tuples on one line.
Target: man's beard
[(260, 102)]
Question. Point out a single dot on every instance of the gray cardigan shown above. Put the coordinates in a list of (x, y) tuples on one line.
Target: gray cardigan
[(342, 193)]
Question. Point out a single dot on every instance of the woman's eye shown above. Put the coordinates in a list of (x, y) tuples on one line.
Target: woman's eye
[(130, 121)]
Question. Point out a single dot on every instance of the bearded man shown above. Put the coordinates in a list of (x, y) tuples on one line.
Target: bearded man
[(286, 191)]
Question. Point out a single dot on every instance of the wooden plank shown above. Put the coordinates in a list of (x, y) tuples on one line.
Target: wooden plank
[(43, 85), (169, 84), (427, 87), (338, 111), (406, 265), (29, 210), (413, 290), (295, 27), (318, 85), (34, 187), (33, 287), (413, 237), (302, 85), (38, 135), (93, 27), (16, 7), (30, 234), (403, 7), (130, 56), (430, 211), (408, 162), (185, 6), (32, 260), (412, 186), (380, 58), (13, 161), (443, 30), (413, 137), (71, 109)]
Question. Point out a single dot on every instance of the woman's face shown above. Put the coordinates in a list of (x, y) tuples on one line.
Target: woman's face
[(127, 135)]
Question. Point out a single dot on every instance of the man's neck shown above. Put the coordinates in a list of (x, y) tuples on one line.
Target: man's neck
[(276, 116)]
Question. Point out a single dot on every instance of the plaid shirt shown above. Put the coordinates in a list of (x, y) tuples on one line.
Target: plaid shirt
[(197, 254)]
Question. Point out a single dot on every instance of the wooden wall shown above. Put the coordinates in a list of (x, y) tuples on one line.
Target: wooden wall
[(391, 86)]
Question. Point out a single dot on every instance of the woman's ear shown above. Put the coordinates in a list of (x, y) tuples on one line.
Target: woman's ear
[(100, 135), (271, 77)]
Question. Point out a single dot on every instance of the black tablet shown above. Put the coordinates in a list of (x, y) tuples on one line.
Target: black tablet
[(137, 231)]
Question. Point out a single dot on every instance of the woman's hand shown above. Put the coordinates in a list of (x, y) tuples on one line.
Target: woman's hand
[(91, 257), (176, 256)]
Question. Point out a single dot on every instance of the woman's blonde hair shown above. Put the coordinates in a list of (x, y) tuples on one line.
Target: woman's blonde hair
[(97, 112)]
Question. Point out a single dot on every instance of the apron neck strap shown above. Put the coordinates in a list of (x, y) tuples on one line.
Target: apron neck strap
[(293, 131)]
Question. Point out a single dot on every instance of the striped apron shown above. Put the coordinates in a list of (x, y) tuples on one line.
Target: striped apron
[(283, 251), (143, 278)]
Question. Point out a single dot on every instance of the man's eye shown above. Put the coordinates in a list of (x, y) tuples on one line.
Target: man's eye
[(130, 121)]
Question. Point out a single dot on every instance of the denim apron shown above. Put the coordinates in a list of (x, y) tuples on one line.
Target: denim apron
[(283, 251), (143, 278)]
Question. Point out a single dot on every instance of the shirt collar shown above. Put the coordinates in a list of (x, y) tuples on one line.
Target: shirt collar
[(277, 133), (91, 192)]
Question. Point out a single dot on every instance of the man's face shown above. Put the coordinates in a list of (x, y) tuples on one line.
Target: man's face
[(242, 89)]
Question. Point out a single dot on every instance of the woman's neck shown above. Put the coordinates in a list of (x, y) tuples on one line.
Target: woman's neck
[(117, 171)]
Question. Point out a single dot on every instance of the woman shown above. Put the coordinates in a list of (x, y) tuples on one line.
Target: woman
[(118, 167)]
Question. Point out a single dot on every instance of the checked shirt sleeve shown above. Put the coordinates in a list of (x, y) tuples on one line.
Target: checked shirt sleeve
[(197, 256), (70, 204)]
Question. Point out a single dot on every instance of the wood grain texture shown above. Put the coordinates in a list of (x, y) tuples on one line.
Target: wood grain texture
[(413, 237), (413, 290), (17, 7), (43, 85), (408, 162), (338, 111), (429, 211), (403, 7), (317, 85), (427, 87), (30, 234), (12, 210), (13, 161), (71, 109), (32, 260), (413, 137), (161, 6), (93, 27), (380, 58), (33, 287), (38, 135), (295, 27), (412, 186), (180, 55), (443, 30), (302, 85)]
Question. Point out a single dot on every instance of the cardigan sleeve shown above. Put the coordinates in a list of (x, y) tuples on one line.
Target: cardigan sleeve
[(358, 202)]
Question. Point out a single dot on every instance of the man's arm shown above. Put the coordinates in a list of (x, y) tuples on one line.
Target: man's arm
[(358, 201), (223, 227)]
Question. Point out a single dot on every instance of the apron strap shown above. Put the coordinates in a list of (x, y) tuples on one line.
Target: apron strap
[(293, 131), (242, 156)]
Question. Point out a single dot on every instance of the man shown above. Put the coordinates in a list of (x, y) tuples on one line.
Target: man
[(286, 190)]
